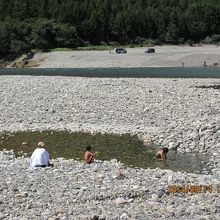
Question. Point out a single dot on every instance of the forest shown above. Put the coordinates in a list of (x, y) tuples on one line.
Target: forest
[(45, 24)]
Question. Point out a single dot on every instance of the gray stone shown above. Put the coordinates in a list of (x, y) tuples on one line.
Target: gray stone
[(160, 193), (118, 175), (179, 212), (120, 201), (2, 216), (155, 197)]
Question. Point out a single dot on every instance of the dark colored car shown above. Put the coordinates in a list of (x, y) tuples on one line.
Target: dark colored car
[(30, 55), (150, 50), (120, 50)]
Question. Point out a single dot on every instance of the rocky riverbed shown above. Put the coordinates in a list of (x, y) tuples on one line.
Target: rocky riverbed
[(163, 111), (103, 190), (166, 112)]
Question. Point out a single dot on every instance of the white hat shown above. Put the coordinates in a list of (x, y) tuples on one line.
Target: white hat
[(41, 144)]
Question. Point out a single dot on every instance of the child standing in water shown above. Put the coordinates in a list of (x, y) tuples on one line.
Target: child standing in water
[(89, 156), (162, 153)]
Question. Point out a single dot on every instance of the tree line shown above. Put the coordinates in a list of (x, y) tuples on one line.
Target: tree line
[(46, 24)]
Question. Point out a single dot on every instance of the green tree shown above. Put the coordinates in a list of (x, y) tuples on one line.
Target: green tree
[(20, 9), (5, 41), (172, 35), (43, 9), (197, 26), (19, 37), (43, 35), (66, 36), (3, 9), (45, 24)]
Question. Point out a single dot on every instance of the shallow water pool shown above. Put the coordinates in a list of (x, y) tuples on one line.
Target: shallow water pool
[(126, 148)]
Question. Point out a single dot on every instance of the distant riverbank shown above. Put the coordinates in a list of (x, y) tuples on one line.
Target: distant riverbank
[(164, 56)]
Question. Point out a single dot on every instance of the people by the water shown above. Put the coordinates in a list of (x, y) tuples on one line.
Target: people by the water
[(162, 153), (89, 156), (182, 64), (40, 157)]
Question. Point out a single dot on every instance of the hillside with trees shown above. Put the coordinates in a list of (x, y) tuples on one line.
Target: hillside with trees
[(47, 24)]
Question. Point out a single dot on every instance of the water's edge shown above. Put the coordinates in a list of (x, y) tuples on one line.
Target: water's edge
[(135, 72), (127, 148)]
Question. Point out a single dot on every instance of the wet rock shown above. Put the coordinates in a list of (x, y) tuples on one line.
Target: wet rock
[(114, 161)]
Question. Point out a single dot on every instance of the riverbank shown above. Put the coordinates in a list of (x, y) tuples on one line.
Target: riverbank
[(164, 56), (165, 112), (107, 190)]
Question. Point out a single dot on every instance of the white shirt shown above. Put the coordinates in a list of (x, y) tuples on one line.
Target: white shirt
[(39, 157)]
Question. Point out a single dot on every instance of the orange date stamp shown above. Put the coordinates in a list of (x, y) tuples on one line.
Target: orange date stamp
[(194, 188)]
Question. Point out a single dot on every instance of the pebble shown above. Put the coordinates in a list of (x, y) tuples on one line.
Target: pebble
[(2, 216), (160, 193), (118, 175), (120, 201), (155, 197)]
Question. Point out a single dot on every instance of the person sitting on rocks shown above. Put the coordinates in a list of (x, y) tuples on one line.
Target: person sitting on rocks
[(40, 157), (89, 156), (162, 153)]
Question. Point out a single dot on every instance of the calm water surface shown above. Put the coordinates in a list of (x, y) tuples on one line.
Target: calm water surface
[(161, 72), (126, 148)]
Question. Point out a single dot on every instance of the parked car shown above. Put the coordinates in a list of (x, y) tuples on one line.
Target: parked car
[(120, 50), (30, 55), (150, 50)]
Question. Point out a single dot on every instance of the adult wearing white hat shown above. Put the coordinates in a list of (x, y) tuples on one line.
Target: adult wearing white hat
[(40, 157)]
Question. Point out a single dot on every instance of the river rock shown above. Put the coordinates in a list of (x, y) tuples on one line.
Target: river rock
[(120, 201), (2, 216), (118, 175)]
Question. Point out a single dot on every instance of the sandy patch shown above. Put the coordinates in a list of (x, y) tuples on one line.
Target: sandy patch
[(165, 56)]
